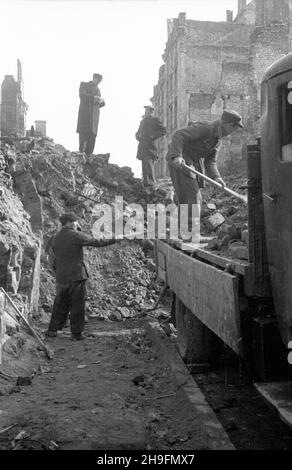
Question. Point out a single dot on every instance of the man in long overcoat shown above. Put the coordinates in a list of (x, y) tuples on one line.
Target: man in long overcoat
[(149, 130), (88, 115)]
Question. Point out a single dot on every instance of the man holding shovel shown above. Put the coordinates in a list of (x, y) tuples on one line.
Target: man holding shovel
[(71, 275), (196, 146)]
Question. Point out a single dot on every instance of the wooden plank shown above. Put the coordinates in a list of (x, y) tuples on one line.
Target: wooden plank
[(209, 293), (190, 247), (161, 260), (161, 274), (238, 266)]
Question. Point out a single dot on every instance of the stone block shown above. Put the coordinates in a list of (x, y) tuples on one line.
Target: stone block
[(125, 312), (213, 244), (224, 230), (214, 221), (238, 250), (4, 248), (244, 236), (211, 206), (225, 240), (115, 316)]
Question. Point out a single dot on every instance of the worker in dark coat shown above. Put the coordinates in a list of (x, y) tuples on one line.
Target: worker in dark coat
[(149, 130), (88, 115), (71, 275), (196, 145)]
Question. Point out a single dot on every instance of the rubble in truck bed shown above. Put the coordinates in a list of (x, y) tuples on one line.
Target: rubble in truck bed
[(224, 218)]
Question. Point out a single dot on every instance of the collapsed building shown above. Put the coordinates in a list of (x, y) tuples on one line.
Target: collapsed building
[(209, 66), (13, 106)]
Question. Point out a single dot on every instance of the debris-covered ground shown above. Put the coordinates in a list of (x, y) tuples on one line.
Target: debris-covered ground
[(113, 390), (107, 392)]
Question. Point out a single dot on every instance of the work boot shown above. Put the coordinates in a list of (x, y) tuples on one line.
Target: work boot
[(51, 334), (77, 337)]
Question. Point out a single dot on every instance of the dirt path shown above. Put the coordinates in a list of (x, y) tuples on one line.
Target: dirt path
[(113, 390), (110, 391)]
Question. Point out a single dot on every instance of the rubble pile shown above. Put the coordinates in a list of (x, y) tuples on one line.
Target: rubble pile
[(224, 218), (42, 179), (126, 282), (45, 180)]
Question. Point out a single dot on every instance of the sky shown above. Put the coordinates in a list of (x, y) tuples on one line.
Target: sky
[(63, 42)]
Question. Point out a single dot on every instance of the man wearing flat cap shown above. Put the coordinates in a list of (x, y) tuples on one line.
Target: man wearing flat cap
[(88, 115), (71, 274), (149, 130), (196, 145)]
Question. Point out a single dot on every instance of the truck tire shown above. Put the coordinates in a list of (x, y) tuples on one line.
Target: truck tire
[(193, 337)]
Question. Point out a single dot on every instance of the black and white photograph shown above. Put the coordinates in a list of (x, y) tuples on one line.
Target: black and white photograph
[(146, 230)]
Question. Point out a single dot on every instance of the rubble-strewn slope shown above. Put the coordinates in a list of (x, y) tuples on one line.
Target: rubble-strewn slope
[(46, 180), (42, 179)]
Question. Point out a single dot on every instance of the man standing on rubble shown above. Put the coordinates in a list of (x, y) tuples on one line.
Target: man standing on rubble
[(71, 275), (196, 145), (88, 115), (149, 130)]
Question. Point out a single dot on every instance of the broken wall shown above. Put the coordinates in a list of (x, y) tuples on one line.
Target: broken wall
[(13, 108), (19, 250)]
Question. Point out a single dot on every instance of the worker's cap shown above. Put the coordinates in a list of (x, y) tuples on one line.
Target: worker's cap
[(97, 75), (232, 117), (149, 107), (68, 217)]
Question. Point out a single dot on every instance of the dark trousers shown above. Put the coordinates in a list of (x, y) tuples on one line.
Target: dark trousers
[(148, 171), (187, 191), (87, 142), (69, 298)]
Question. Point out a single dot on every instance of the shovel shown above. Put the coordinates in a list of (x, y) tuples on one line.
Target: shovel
[(241, 197)]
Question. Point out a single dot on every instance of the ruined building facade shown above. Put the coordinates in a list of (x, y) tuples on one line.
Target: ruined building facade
[(209, 66), (13, 107)]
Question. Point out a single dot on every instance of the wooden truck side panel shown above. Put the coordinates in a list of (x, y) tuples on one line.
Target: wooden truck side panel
[(211, 294)]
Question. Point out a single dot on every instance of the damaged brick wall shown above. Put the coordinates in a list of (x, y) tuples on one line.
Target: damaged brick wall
[(210, 66), (13, 107)]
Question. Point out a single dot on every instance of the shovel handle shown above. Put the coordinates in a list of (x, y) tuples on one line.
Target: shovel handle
[(241, 197)]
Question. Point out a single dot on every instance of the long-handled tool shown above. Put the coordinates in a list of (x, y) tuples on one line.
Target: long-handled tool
[(241, 197), (42, 344)]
